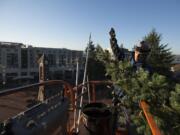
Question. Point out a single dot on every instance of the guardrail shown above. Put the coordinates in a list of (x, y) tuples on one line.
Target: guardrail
[(68, 89), (69, 92)]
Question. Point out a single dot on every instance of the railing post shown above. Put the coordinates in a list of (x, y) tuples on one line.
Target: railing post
[(152, 124), (93, 92)]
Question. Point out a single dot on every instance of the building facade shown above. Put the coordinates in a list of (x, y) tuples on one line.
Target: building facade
[(18, 61), (176, 59)]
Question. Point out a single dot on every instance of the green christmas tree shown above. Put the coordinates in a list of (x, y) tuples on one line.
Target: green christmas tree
[(156, 89), (175, 98)]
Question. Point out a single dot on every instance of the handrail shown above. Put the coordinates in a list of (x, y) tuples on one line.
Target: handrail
[(93, 84), (68, 88), (96, 82), (153, 126)]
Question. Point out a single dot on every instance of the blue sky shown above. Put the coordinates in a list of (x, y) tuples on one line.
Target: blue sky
[(68, 23)]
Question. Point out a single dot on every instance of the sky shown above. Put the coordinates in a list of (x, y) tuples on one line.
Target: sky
[(68, 23)]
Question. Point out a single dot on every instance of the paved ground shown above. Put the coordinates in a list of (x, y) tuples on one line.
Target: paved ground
[(15, 103)]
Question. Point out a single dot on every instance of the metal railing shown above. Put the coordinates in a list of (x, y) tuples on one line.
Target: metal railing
[(69, 92)]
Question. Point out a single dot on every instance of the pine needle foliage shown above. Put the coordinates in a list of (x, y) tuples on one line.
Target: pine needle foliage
[(155, 89), (96, 63), (160, 57)]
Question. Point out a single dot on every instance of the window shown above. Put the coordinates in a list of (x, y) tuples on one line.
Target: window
[(51, 59), (24, 58), (12, 60), (68, 74), (32, 59), (62, 60), (23, 73)]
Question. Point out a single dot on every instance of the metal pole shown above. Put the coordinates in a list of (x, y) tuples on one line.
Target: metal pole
[(93, 93), (84, 79), (75, 111), (89, 97)]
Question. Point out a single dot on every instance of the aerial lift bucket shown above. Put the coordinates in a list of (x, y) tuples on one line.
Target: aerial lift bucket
[(97, 119)]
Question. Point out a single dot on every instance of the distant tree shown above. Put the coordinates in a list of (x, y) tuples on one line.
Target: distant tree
[(102, 55), (91, 50), (160, 57), (96, 65)]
